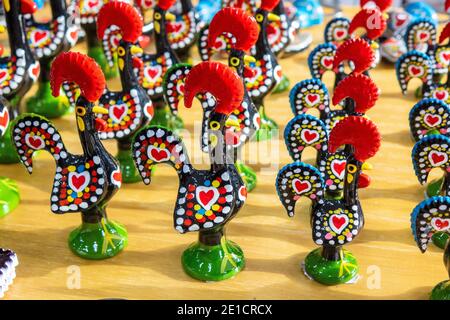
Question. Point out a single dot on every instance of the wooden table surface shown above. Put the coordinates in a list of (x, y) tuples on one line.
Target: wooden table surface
[(391, 266)]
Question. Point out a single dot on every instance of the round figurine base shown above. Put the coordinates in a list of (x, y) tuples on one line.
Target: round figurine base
[(9, 196), (331, 272), (45, 104), (129, 172), (97, 54), (441, 291), (96, 241), (164, 118), (8, 153), (440, 239), (247, 174), (283, 86), (213, 263)]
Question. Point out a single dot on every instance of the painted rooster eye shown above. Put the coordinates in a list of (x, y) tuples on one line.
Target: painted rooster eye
[(121, 51), (234, 61), (214, 125), (80, 111), (157, 15), (259, 17), (351, 168)]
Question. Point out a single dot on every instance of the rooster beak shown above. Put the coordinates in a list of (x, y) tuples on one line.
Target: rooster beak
[(100, 110), (366, 166), (249, 59), (231, 122), (135, 50), (273, 17), (170, 16), (2, 28)]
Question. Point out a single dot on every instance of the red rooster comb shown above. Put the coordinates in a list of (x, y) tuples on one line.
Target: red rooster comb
[(27, 6), (236, 21), (123, 15), (269, 5), (166, 4), (445, 34), (381, 5), (356, 50), (371, 20), (80, 69), (447, 6), (359, 132), (360, 88), (217, 79)]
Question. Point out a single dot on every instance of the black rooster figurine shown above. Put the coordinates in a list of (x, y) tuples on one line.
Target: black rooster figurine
[(207, 199), (130, 108), (334, 222), (83, 183), (430, 217), (18, 71), (237, 24), (47, 40), (156, 66)]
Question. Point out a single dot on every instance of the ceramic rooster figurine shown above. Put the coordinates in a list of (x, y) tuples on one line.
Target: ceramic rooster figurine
[(47, 40), (430, 217), (89, 10), (8, 264), (432, 152), (357, 94), (207, 199), (334, 222), (9, 191), (427, 61), (326, 58), (156, 66), (243, 28), (130, 108), (267, 70), (82, 183), (182, 33), (18, 71)]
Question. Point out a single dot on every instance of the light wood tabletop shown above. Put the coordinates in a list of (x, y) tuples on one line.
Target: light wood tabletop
[(391, 266)]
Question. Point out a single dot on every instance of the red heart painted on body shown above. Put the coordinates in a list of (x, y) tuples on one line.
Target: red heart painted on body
[(3, 75), (327, 62), (338, 222), (79, 181), (4, 120), (432, 120), (440, 224), (312, 99), (441, 95), (340, 33), (158, 155), (92, 3), (175, 27), (40, 36), (206, 196), (445, 56), (300, 186), (116, 177), (153, 72), (437, 158), (309, 136), (118, 112), (338, 168), (34, 142), (415, 71), (423, 35)]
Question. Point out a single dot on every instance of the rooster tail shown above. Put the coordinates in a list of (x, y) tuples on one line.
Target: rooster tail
[(297, 180), (320, 60), (31, 133), (305, 131), (336, 31), (413, 64), (420, 31), (153, 145), (429, 217)]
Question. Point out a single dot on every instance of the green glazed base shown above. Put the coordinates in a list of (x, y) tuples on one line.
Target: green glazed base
[(129, 172), (267, 126), (45, 104), (434, 188), (97, 54), (283, 86), (440, 239), (247, 174), (8, 153), (331, 272), (213, 263), (9, 196), (97, 241), (441, 291), (163, 117)]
